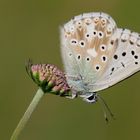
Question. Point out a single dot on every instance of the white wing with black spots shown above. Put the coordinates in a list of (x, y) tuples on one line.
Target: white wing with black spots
[(97, 54), (125, 60)]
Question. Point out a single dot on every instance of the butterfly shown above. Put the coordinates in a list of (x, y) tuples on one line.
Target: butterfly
[(97, 54)]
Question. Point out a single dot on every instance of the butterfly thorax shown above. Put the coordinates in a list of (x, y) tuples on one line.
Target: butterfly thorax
[(79, 84)]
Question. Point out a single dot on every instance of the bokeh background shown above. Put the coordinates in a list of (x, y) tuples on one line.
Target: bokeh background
[(30, 29)]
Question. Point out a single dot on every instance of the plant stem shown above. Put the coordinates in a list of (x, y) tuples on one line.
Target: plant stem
[(39, 94)]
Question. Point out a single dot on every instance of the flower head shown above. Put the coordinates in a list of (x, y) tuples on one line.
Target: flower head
[(49, 78)]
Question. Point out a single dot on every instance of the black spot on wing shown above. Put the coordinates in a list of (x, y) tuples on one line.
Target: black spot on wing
[(115, 56), (123, 64)]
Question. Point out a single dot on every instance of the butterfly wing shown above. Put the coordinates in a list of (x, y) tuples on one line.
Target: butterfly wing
[(87, 43), (124, 62), (96, 53)]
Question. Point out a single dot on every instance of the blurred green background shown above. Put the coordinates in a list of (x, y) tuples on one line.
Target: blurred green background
[(30, 29)]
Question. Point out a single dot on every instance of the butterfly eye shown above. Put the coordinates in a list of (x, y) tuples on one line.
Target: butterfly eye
[(82, 43), (103, 47), (100, 34)]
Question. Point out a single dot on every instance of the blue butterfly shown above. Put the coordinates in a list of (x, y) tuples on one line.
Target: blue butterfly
[(97, 54)]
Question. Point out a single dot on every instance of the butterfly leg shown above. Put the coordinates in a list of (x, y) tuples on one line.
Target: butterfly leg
[(73, 95), (89, 97)]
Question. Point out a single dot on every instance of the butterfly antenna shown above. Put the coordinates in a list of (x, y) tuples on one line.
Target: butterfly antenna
[(104, 108)]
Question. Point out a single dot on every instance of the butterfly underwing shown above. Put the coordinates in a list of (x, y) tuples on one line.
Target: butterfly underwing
[(97, 54)]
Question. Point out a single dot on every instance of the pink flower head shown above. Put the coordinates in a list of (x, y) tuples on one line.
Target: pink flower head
[(49, 78)]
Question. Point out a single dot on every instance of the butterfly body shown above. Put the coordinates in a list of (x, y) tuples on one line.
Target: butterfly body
[(97, 54)]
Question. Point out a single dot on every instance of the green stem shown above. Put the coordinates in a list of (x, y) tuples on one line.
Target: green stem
[(39, 94)]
